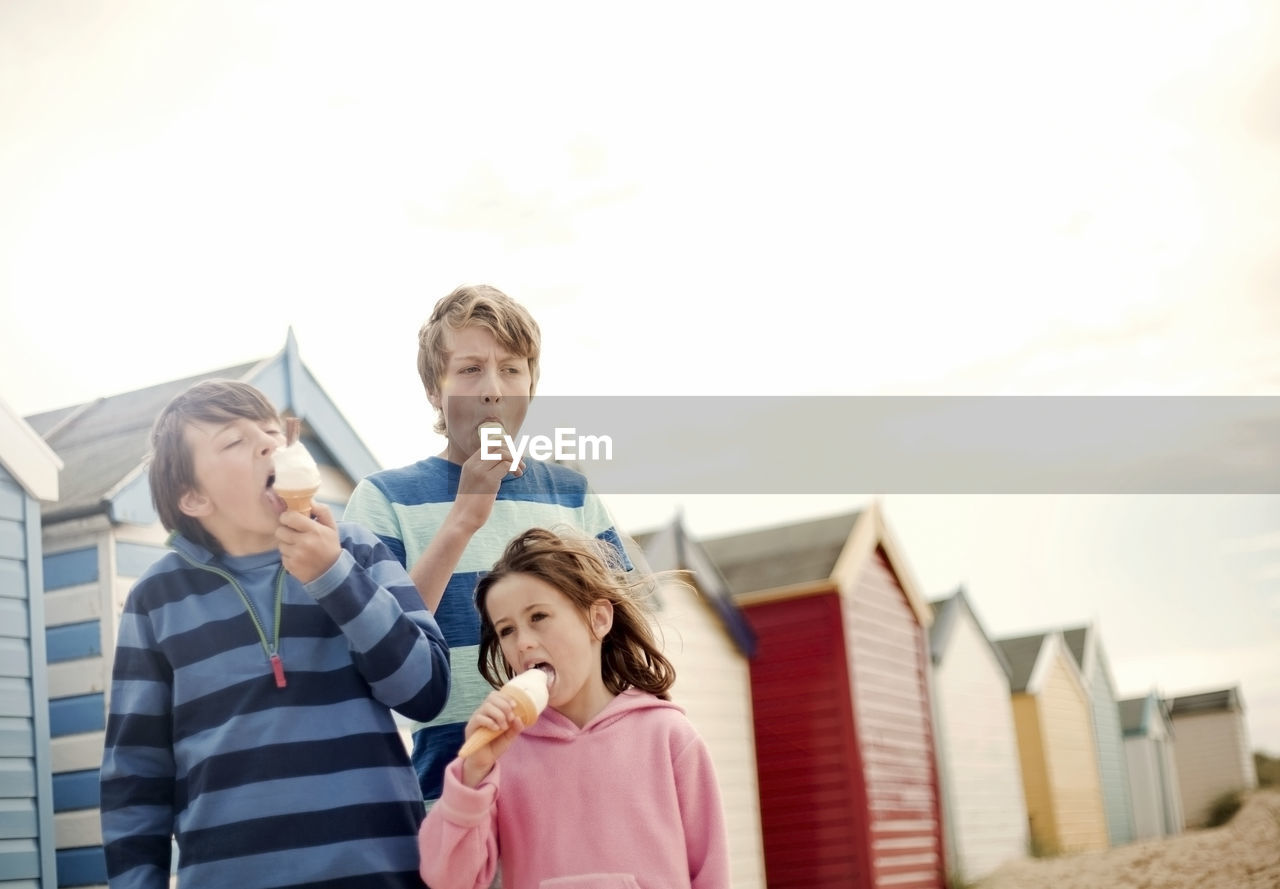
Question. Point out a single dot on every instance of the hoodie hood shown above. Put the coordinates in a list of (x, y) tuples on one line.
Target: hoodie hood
[(553, 725)]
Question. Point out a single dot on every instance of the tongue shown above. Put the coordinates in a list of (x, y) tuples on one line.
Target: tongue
[(276, 501)]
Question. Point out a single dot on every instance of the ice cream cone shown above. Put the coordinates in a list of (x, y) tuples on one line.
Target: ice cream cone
[(297, 478), (527, 708), (298, 501)]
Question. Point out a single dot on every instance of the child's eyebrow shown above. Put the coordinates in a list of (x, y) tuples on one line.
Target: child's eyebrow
[(536, 606), (501, 354)]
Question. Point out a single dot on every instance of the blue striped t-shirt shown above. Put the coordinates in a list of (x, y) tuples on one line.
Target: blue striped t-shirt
[(405, 507)]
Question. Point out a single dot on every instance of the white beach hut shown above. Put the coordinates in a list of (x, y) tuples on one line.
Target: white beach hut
[(985, 810), (1153, 772)]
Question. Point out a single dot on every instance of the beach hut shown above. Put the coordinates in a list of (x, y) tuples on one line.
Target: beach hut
[(709, 642), (849, 791), (1211, 748), (985, 810), (1085, 644), (1054, 721), (1153, 772), (28, 475), (99, 538)]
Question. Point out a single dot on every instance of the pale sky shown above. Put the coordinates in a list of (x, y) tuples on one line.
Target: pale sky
[(695, 198)]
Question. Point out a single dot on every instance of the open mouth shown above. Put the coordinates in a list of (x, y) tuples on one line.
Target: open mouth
[(272, 496), (546, 668), (493, 423)]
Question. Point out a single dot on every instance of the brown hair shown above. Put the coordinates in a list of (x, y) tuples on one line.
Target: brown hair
[(172, 471), (585, 570), (476, 305)]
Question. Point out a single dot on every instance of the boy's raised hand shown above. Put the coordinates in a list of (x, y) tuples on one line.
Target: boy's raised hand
[(308, 545), (478, 487), (477, 490)]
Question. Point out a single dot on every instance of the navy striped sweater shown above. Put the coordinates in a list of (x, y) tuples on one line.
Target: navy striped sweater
[(263, 785)]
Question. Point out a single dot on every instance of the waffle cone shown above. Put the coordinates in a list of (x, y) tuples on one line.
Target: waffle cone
[(481, 737), (298, 501)]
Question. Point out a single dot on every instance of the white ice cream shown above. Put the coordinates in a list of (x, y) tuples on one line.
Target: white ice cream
[(295, 470), (534, 684)]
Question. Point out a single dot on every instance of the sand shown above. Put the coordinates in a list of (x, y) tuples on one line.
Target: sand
[(1243, 854)]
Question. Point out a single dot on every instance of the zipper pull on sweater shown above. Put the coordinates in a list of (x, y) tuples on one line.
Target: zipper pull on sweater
[(277, 667)]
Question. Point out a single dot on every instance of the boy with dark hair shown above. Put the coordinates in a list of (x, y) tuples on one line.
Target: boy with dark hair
[(255, 671)]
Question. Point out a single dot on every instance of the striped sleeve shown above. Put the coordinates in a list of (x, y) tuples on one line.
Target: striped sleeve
[(138, 771), (369, 506), (395, 642)]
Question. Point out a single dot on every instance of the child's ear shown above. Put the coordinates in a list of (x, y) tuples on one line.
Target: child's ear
[(195, 504), (601, 618)]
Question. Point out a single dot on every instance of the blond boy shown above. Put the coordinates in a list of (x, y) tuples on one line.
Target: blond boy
[(448, 517)]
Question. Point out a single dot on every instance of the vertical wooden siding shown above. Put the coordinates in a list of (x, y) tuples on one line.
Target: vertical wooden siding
[(986, 814), (1041, 822), (1153, 785), (812, 804), (1112, 765), (1075, 787), (1207, 747), (894, 728)]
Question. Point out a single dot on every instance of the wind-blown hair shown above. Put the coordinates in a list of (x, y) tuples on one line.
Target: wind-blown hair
[(585, 570)]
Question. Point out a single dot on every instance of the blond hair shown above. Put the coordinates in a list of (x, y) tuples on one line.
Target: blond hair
[(172, 470), (585, 570), (476, 305)]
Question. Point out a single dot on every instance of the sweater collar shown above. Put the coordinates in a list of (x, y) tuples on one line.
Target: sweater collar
[(197, 553)]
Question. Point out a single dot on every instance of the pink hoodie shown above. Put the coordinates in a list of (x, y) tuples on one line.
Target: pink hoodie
[(629, 800)]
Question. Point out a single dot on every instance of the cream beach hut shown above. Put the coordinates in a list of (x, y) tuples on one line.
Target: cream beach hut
[(1053, 716), (986, 812), (1211, 747)]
